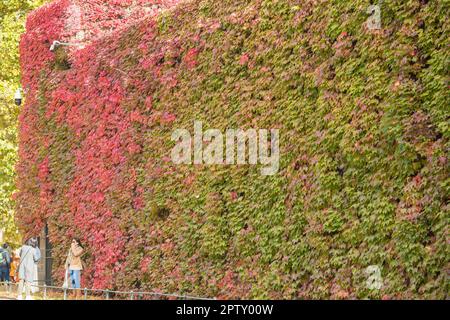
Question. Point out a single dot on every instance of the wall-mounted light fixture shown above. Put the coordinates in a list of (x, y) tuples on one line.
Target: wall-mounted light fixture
[(57, 44)]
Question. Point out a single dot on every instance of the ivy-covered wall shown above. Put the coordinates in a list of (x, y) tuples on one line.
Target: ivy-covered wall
[(363, 120)]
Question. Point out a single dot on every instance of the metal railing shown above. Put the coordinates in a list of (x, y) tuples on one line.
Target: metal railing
[(47, 292)]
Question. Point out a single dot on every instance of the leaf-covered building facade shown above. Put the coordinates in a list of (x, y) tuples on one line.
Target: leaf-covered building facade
[(363, 120)]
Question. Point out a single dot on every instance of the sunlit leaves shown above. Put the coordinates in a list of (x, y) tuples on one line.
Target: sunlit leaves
[(12, 19)]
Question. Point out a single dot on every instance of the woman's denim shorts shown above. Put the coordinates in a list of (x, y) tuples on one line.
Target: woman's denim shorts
[(75, 278)]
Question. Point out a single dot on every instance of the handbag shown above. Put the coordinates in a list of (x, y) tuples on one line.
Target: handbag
[(66, 280)]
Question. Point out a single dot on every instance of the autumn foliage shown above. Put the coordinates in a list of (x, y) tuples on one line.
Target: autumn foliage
[(364, 139)]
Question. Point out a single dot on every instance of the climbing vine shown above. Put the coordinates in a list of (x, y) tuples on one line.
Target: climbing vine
[(363, 135)]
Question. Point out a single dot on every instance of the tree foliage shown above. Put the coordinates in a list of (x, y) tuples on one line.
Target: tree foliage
[(12, 22)]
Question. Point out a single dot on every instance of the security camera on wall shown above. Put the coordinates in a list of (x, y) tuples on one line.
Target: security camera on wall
[(18, 97)]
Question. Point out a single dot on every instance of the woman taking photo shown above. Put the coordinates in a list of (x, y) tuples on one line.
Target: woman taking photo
[(74, 265)]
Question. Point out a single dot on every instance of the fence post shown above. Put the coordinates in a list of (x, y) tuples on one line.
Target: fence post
[(131, 295), (85, 293), (45, 291), (107, 294), (65, 293)]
